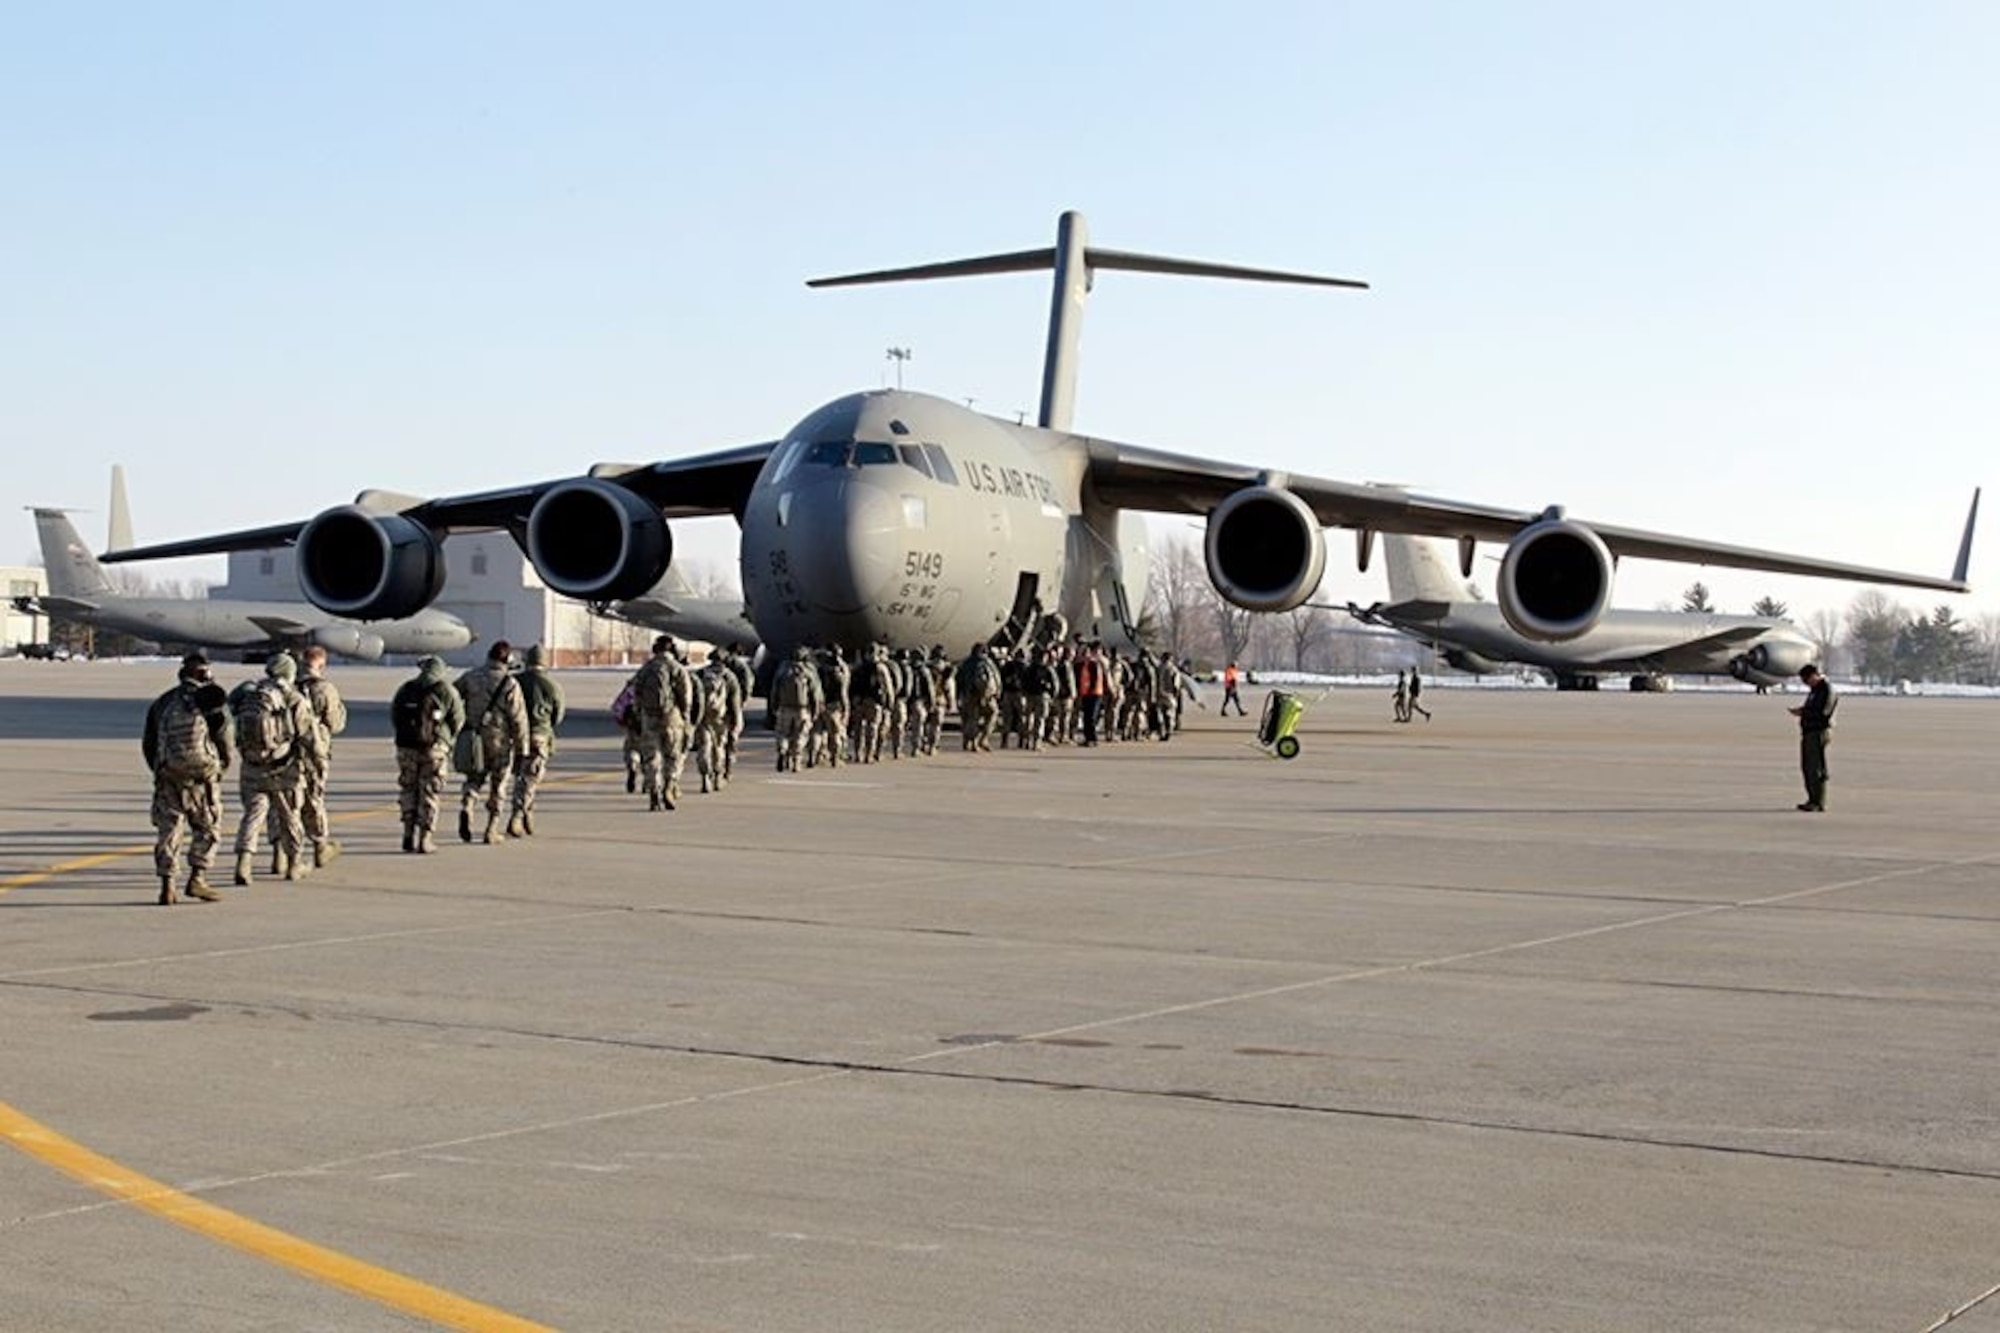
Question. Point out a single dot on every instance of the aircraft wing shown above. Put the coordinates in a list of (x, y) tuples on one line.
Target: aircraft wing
[(58, 606), (1153, 480), (707, 484), (282, 627)]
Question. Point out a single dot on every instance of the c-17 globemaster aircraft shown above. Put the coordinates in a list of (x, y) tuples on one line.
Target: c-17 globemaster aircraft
[(1427, 602), (80, 591), (901, 517)]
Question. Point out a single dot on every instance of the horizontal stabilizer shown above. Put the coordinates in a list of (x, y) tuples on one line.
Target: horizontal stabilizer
[(1028, 261)]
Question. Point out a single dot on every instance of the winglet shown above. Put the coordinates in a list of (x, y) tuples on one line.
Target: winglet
[(1959, 570)]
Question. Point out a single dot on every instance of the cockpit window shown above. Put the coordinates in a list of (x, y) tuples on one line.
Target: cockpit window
[(913, 456), (829, 453), (790, 453), (941, 467), (869, 453)]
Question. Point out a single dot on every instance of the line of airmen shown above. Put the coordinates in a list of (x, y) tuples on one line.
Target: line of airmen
[(495, 727), (279, 732), (828, 710)]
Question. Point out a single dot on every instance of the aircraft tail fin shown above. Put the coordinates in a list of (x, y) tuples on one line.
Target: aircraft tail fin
[(120, 536), (1420, 572), (1075, 262), (73, 571)]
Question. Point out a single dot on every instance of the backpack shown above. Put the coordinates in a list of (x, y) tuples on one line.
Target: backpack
[(415, 716), (790, 689), (264, 730), (541, 697), (621, 707), (186, 747)]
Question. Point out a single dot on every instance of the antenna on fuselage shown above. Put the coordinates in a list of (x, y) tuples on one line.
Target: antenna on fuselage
[(1075, 263)]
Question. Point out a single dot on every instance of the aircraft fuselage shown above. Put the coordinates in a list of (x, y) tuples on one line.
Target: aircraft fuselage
[(901, 517)]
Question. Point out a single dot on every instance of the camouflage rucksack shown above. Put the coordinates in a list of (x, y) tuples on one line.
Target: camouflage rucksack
[(790, 686), (186, 747), (264, 731)]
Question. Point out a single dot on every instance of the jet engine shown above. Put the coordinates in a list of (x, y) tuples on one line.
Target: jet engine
[(1773, 659), (1555, 580), (596, 541), (1265, 549), (349, 641), (369, 566)]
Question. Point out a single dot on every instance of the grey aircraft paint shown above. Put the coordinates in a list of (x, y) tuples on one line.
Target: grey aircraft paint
[(80, 591), (907, 518), (1429, 602)]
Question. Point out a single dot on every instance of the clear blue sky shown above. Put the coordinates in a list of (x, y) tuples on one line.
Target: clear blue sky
[(1720, 269)]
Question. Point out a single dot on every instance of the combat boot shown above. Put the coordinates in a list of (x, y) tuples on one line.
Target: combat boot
[(167, 895), (277, 863), (425, 842), (409, 835), (242, 871), (528, 822), (672, 796), (488, 837), (631, 782), (297, 867), (465, 825), (197, 887), (514, 824), (324, 853)]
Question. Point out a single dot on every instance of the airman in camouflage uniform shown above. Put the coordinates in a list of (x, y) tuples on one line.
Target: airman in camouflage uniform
[(944, 698), (978, 686), (923, 699), (829, 740), (276, 736), (664, 696), (497, 716), (330, 712), (796, 698), (737, 659), (721, 717), (426, 712), (543, 697), (186, 745)]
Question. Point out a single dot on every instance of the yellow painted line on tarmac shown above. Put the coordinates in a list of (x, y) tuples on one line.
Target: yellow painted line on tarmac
[(65, 867), (404, 1294)]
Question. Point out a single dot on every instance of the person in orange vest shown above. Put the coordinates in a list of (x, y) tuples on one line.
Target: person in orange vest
[(1229, 694), (1090, 690)]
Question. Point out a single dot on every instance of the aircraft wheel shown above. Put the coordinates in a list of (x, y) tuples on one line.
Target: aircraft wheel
[(1287, 747)]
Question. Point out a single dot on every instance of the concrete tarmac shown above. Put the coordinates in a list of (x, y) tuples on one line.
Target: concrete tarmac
[(1548, 1014)]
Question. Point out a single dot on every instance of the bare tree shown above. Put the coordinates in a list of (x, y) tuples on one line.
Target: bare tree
[(1232, 626), (1177, 596), (1823, 627), (1309, 626)]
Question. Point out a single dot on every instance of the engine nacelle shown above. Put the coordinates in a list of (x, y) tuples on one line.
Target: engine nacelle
[(1773, 659), (1555, 580), (1265, 549), (349, 641), (369, 566), (596, 541), (1461, 659)]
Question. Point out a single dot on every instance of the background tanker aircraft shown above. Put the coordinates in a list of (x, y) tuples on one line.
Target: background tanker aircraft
[(1429, 602), (80, 591), (902, 517)]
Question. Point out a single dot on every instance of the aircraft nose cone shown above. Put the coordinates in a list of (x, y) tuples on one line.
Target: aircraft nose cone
[(845, 540)]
